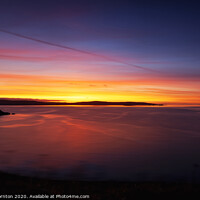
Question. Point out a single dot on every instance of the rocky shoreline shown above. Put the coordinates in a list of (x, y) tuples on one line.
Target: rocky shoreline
[(5, 113)]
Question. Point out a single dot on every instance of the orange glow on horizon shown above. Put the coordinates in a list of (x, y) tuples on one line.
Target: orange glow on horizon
[(155, 90)]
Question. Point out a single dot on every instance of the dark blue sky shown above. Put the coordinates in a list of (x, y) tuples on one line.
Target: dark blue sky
[(156, 31)]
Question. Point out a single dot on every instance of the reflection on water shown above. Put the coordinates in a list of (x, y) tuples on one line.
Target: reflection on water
[(101, 143)]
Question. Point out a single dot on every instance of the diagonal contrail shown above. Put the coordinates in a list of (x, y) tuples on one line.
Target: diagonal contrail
[(74, 49)]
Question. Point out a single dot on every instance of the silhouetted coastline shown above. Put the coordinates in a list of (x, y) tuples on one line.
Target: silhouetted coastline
[(96, 103), (4, 113)]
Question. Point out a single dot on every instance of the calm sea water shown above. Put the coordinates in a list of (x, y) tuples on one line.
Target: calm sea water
[(101, 143)]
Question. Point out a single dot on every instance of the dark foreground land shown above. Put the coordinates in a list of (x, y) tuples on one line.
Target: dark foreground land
[(108, 190)]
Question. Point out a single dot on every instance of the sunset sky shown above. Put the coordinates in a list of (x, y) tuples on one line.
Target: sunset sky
[(100, 50)]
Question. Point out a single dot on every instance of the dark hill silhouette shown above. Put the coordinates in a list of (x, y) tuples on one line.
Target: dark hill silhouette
[(40, 102)]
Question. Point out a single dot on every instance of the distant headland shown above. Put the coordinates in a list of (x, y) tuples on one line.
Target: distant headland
[(95, 103)]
